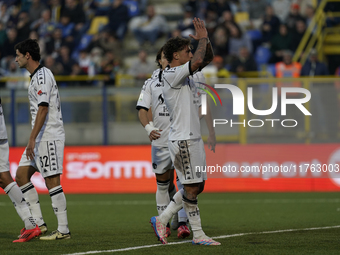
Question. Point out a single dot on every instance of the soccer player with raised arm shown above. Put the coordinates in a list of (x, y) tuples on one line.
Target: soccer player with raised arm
[(185, 142), (45, 148), (155, 118), (31, 229)]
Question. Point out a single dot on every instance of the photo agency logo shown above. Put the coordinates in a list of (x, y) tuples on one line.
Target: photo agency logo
[(239, 105)]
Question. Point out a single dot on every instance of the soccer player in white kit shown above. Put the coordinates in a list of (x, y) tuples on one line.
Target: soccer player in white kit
[(45, 148), (31, 229), (185, 142)]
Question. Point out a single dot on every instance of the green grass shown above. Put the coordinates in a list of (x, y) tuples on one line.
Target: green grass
[(108, 222)]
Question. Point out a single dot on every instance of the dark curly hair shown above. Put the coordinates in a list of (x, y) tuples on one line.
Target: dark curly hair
[(174, 45), (31, 46), (159, 56)]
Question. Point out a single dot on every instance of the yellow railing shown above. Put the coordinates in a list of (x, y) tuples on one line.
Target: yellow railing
[(315, 33)]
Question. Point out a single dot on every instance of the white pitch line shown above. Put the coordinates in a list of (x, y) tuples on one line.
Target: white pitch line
[(230, 201), (216, 237), (221, 201)]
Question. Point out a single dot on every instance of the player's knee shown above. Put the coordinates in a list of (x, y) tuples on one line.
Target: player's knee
[(5, 179), (52, 181), (163, 186)]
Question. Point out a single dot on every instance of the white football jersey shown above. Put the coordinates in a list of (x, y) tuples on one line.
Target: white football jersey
[(182, 98), (43, 90), (3, 132), (152, 96)]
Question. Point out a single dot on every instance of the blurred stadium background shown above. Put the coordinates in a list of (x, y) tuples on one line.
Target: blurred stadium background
[(101, 51)]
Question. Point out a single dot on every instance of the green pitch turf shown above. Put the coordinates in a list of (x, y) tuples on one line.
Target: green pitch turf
[(111, 222)]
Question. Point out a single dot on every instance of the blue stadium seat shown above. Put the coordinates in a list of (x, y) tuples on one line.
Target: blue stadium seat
[(254, 34), (84, 42), (262, 55), (133, 7)]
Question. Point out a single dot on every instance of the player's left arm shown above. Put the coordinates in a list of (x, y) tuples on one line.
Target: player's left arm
[(209, 56), (39, 122)]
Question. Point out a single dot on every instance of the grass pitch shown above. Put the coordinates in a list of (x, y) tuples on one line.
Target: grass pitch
[(111, 222)]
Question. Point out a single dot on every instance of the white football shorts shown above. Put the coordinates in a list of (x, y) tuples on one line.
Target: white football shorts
[(188, 156), (48, 158), (4, 155), (161, 160)]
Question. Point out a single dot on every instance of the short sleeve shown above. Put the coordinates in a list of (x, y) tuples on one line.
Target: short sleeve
[(145, 97)]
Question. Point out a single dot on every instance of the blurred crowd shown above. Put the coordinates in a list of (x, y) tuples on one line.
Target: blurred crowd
[(245, 34)]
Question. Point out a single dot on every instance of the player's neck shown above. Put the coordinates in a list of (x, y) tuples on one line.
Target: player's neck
[(175, 63), (32, 65)]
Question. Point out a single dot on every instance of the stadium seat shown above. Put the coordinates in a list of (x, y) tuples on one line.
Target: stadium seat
[(133, 7), (97, 23), (242, 18), (262, 55), (254, 34)]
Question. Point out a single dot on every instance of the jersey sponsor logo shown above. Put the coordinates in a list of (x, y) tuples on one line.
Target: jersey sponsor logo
[(161, 99), (41, 93)]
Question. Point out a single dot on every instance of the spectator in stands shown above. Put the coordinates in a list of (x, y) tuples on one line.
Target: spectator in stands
[(185, 25), (55, 6), (3, 35), (15, 71), (14, 16), (226, 18), (75, 11), (66, 25), (313, 67), (221, 71), (218, 6), (65, 60), (118, 18), (237, 40), (101, 6), (309, 14), (211, 21), (35, 10), (107, 42), (287, 68), (199, 7), (96, 58), (149, 27), (294, 16), (4, 13), (53, 44), (270, 24), (220, 42), (10, 42), (23, 26), (85, 63), (110, 65), (44, 26), (297, 35), (54, 66), (282, 41), (142, 68), (281, 9), (244, 62), (77, 70), (255, 10)]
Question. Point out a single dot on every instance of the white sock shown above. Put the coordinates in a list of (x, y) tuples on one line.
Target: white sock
[(172, 192), (182, 216), (162, 196), (174, 206), (193, 213), (15, 194), (59, 207), (32, 200)]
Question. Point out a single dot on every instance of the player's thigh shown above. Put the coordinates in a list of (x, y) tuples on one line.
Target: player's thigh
[(161, 163), (188, 157), (49, 158), (4, 155)]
